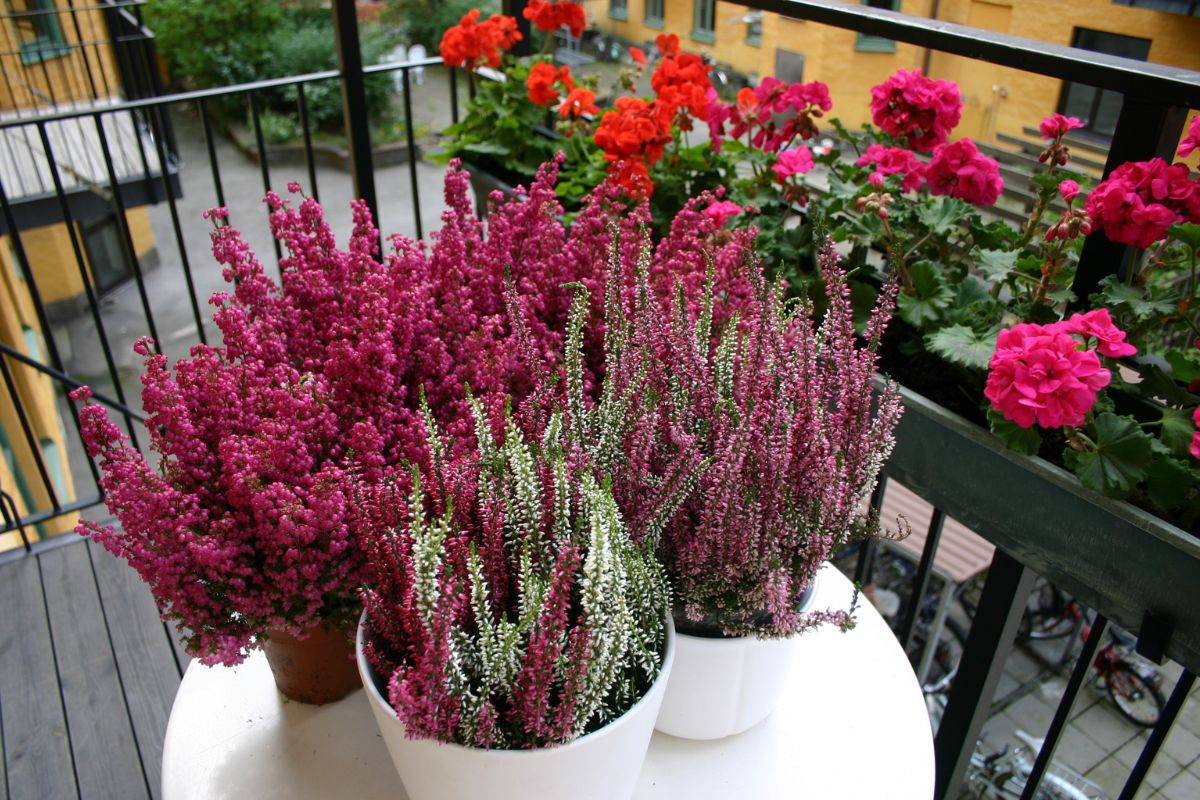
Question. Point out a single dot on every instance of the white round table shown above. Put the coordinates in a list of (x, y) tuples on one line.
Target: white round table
[(852, 724)]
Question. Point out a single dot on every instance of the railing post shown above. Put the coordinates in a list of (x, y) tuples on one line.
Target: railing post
[(354, 103), (1145, 129), (515, 8), (992, 632)]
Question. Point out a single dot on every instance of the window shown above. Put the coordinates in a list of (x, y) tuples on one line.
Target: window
[(618, 9), (53, 462), (106, 253), (867, 43), (1098, 108), (753, 22), (32, 346), (1189, 8), (654, 13), (37, 30), (703, 16)]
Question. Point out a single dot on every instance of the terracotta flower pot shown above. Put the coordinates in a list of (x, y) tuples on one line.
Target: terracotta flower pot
[(316, 667)]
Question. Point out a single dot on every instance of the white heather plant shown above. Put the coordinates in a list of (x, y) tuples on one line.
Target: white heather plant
[(507, 606)]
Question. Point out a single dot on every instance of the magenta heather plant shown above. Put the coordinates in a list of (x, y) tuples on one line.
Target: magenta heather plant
[(242, 527), (508, 607), (786, 414)]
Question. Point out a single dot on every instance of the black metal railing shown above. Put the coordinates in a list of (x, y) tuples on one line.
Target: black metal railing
[(1155, 103)]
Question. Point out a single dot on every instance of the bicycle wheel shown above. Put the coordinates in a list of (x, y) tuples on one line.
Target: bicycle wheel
[(1138, 700), (1048, 614), (944, 664)]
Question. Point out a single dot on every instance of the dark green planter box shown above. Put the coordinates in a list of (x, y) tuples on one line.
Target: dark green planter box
[(1113, 556)]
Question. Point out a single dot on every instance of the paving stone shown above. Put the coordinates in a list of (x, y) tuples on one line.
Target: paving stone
[(1110, 775), (1106, 727), (1032, 713), (1183, 745), (1184, 786), (1162, 770), (1078, 751)]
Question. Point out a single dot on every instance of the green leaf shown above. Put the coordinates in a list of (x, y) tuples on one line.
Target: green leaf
[(489, 148), (962, 345), (1169, 483), (942, 218), (1184, 366), (1113, 293), (995, 265), (1156, 383), (1119, 461), (931, 298), (1023, 440), (1176, 431), (1188, 233)]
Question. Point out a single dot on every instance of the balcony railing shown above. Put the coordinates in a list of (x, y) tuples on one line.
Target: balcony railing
[(1156, 100)]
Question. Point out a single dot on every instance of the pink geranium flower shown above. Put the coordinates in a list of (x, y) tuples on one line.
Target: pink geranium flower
[(1141, 200), (1039, 375), (1195, 445), (792, 162), (1069, 190), (1098, 325), (960, 170), (722, 210), (1192, 140), (1056, 126), (922, 110), (893, 161)]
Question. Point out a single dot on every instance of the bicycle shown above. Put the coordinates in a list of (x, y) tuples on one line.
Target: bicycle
[(1003, 775)]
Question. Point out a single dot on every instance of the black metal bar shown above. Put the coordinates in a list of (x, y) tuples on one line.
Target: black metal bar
[(1082, 665), (202, 106), (354, 102), (921, 581), (1157, 736), (454, 94), (1000, 607), (37, 518), (67, 380), (127, 235), (302, 111), (31, 440), (93, 303), (87, 66), (410, 140), (12, 519), (1125, 75), (513, 8), (261, 143), (184, 261), (1145, 129)]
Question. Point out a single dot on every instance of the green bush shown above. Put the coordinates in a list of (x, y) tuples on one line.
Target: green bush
[(278, 128), (213, 42), (425, 21)]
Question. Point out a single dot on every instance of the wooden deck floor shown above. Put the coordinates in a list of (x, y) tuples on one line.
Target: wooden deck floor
[(88, 674)]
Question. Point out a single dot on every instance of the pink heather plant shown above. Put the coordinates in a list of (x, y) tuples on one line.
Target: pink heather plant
[(244, 529), (958, 169), (507, 606), (1039, 374), (915, 109), (785, 417)]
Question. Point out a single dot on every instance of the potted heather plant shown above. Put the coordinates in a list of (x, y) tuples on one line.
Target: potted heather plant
[(793, 428), (515, 642)]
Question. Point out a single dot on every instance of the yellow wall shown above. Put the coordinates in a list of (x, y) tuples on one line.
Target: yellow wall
[(37, 397), (62, 78), (994, 99)]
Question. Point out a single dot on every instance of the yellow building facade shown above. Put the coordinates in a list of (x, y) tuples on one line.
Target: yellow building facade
[(54, 55), (996, 100)]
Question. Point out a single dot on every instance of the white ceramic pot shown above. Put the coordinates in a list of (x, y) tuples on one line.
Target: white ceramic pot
[(723, 686), (603, 765)]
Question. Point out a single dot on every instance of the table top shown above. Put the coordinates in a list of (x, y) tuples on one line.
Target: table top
[(851, 724)]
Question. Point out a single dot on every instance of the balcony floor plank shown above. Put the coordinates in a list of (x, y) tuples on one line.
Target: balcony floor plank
[(102, 738), (37, 753), (148, 668)]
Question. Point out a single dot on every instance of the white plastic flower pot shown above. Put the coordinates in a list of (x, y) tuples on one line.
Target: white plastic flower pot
[(723, 686), (603, 765)]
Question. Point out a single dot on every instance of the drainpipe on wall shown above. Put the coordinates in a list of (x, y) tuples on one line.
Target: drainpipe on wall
[(927, 61)]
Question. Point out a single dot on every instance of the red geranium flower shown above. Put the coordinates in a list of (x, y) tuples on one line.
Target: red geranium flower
[(552, 16), (471, 43), (578, 103)]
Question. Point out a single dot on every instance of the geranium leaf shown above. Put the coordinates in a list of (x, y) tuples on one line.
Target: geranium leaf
[(931, 297), (1176, 431), (962, 345), (1023, 440), (1113, 292), (1184, 366), (1188, 233), (1169, 483), (995, 264), (1119, 460), (943, 217)]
